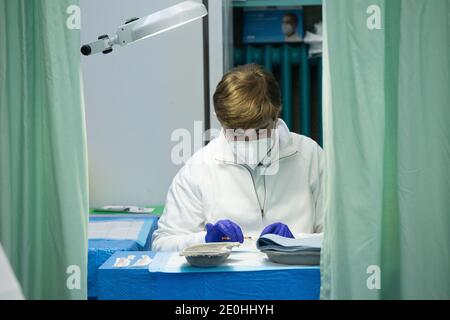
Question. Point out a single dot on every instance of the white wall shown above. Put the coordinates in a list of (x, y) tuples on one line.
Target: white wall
[(220, 45), (215, 52), (135, 98)]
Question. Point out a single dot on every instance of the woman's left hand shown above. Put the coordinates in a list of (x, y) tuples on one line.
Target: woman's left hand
[(279, 229)]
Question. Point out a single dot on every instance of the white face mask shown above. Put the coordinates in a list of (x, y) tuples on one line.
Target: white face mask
[(253, 152), (288, 29)]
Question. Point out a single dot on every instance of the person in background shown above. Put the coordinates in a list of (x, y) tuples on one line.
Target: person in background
[(290, 28), (255, 178)]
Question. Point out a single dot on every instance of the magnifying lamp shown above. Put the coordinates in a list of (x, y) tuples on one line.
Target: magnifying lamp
[(136, 29)]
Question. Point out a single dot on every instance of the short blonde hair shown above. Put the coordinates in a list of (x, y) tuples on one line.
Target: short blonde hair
[(248, 97)]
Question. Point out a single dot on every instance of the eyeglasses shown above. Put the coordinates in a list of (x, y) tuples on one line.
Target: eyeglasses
[(248, 134)]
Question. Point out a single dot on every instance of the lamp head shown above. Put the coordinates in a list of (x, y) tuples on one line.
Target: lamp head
[(165, 20), (141, 28)]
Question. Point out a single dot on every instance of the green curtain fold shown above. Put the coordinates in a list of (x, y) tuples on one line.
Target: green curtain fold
[(387, 142), (43, 157)]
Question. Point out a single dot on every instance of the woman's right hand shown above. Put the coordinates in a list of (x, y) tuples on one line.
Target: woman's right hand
[(224, 231)]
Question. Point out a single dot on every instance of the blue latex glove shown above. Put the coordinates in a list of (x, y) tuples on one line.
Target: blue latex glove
[(278, 228), (224, 231)]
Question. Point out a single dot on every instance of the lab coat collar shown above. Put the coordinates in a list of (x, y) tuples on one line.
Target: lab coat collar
[(285, 146)]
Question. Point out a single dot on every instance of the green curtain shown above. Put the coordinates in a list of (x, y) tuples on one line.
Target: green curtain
[(387, 142), (43, 165)]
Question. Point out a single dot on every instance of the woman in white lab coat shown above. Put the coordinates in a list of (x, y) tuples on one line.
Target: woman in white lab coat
[(255, 178)]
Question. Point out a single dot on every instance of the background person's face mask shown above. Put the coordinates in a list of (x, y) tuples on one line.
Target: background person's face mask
[(288, 29)]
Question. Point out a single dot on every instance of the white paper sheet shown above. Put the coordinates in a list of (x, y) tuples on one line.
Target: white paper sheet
[(239, 260), (116, 230)]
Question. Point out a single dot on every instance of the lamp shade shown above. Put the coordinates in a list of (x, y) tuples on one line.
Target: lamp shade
[(166, 19)]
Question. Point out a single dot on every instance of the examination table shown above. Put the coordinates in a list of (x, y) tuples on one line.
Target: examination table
[(112, 235), (165, 282)]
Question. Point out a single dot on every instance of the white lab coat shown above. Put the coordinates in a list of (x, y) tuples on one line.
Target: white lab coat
[(9, 286), (212, 186)]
